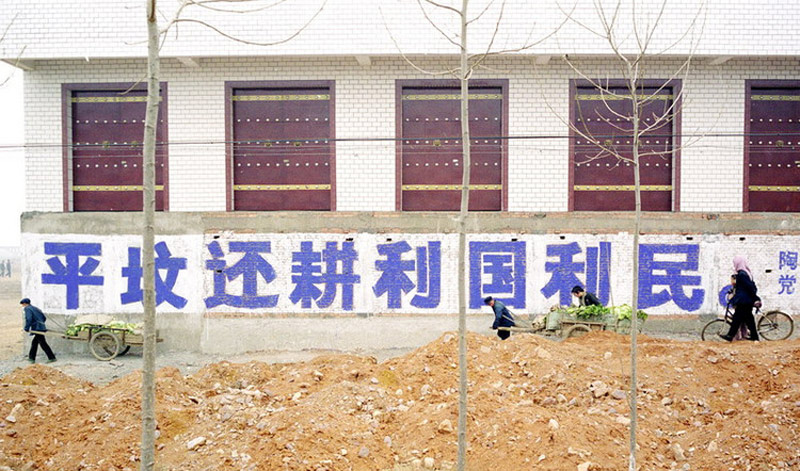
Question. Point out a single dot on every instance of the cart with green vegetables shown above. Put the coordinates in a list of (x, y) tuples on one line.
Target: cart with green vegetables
[(107, 338), (575, 321)]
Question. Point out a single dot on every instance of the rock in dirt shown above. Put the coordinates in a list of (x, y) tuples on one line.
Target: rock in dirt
[(553, 424), (598, 389), (428, 462), (712, 447), (445, 426), (363, 452), (677, 452), (543, 354), (585, 466), (195, 443), (12, 416), (619, 394), (666, 401)]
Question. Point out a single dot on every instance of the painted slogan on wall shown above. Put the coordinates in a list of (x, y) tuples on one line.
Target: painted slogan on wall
[(397, 273)]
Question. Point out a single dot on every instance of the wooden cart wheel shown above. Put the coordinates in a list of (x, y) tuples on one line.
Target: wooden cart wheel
[(577, 330), (104, 346), (124, 350)]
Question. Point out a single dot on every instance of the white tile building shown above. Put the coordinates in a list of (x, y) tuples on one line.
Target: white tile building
[(736, 153), (353, 44)]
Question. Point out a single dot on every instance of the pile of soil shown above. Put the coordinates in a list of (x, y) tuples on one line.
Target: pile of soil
[(534, 404)]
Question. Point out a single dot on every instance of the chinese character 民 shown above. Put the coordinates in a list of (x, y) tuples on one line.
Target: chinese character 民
[(597, 268), (673, 276), (74, 273), (394, 282), (787, 284), (308, 272), (164, 261), (504, 264), (249, 267), (787, 259)]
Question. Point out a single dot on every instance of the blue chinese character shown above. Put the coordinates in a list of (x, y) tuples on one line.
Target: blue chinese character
[(787, 284), (394, 281), (672, 277), (596, 267), (504, 263), (249, 267), (787, 259), (73, 274), (308, 274), (163, 261)]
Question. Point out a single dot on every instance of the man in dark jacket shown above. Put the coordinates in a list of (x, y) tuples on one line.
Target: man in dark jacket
[(502, 317), (585, 298), (34, 321)]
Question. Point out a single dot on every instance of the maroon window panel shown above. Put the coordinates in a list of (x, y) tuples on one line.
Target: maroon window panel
[(431, 148), (600, 180), (772, 143), (107, 131), (282, 153)]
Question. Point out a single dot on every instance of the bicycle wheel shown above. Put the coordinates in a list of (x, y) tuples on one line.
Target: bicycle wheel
[(775, 325), (712, 331)]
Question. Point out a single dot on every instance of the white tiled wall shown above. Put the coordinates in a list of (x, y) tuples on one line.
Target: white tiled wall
[(52, 29), (711, 167)]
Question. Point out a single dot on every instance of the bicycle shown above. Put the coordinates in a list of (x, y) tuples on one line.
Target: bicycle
[(774, 325)]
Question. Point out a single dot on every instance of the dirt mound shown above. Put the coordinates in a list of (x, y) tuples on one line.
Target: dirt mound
[(42, 376), (534, 403)]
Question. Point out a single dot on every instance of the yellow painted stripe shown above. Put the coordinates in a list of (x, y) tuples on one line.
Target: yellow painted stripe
[(110, 99), (773, 188), (280, 97), (622, 187), (775, 97), (279, 187), (617, 97), (449, 187), (112, 187), (453, 96)]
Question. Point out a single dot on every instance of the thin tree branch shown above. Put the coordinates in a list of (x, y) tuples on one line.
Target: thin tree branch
[(435, 26), (445, 7)]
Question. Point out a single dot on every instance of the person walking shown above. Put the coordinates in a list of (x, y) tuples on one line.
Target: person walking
[(744, 299), (502, 317), (34, 321)]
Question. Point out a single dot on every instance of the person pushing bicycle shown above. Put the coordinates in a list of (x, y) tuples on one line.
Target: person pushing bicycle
[(743, 298)]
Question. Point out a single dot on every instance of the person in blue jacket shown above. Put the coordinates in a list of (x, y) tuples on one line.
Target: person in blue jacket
[(502, 317), (744, 299), (34, 321)]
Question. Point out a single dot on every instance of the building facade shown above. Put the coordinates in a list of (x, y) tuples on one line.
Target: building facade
[(343, 119)]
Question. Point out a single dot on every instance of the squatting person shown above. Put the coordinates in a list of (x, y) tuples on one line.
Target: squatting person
[(585, 298)]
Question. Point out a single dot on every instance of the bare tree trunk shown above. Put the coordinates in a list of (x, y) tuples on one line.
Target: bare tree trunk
[(635, 289), (148, 242), (462, 248)]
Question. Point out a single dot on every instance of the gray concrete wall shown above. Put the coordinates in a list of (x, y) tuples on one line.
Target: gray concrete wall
[(387, 222)]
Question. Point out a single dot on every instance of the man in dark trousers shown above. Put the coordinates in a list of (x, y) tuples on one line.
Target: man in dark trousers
[(34, 321), (585, 298), (502, 317)]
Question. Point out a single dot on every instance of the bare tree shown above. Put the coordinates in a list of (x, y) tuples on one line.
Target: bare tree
[(468, 64), (155, 39), (148, 242), (650, 107)]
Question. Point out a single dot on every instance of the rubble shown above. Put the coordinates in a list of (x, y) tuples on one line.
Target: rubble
[(346, 412)]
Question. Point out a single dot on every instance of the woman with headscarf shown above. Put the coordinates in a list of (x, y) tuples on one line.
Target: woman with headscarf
[(745, 297)]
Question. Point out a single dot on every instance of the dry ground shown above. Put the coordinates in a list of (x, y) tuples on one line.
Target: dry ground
[(534, 404), (10, 318)]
